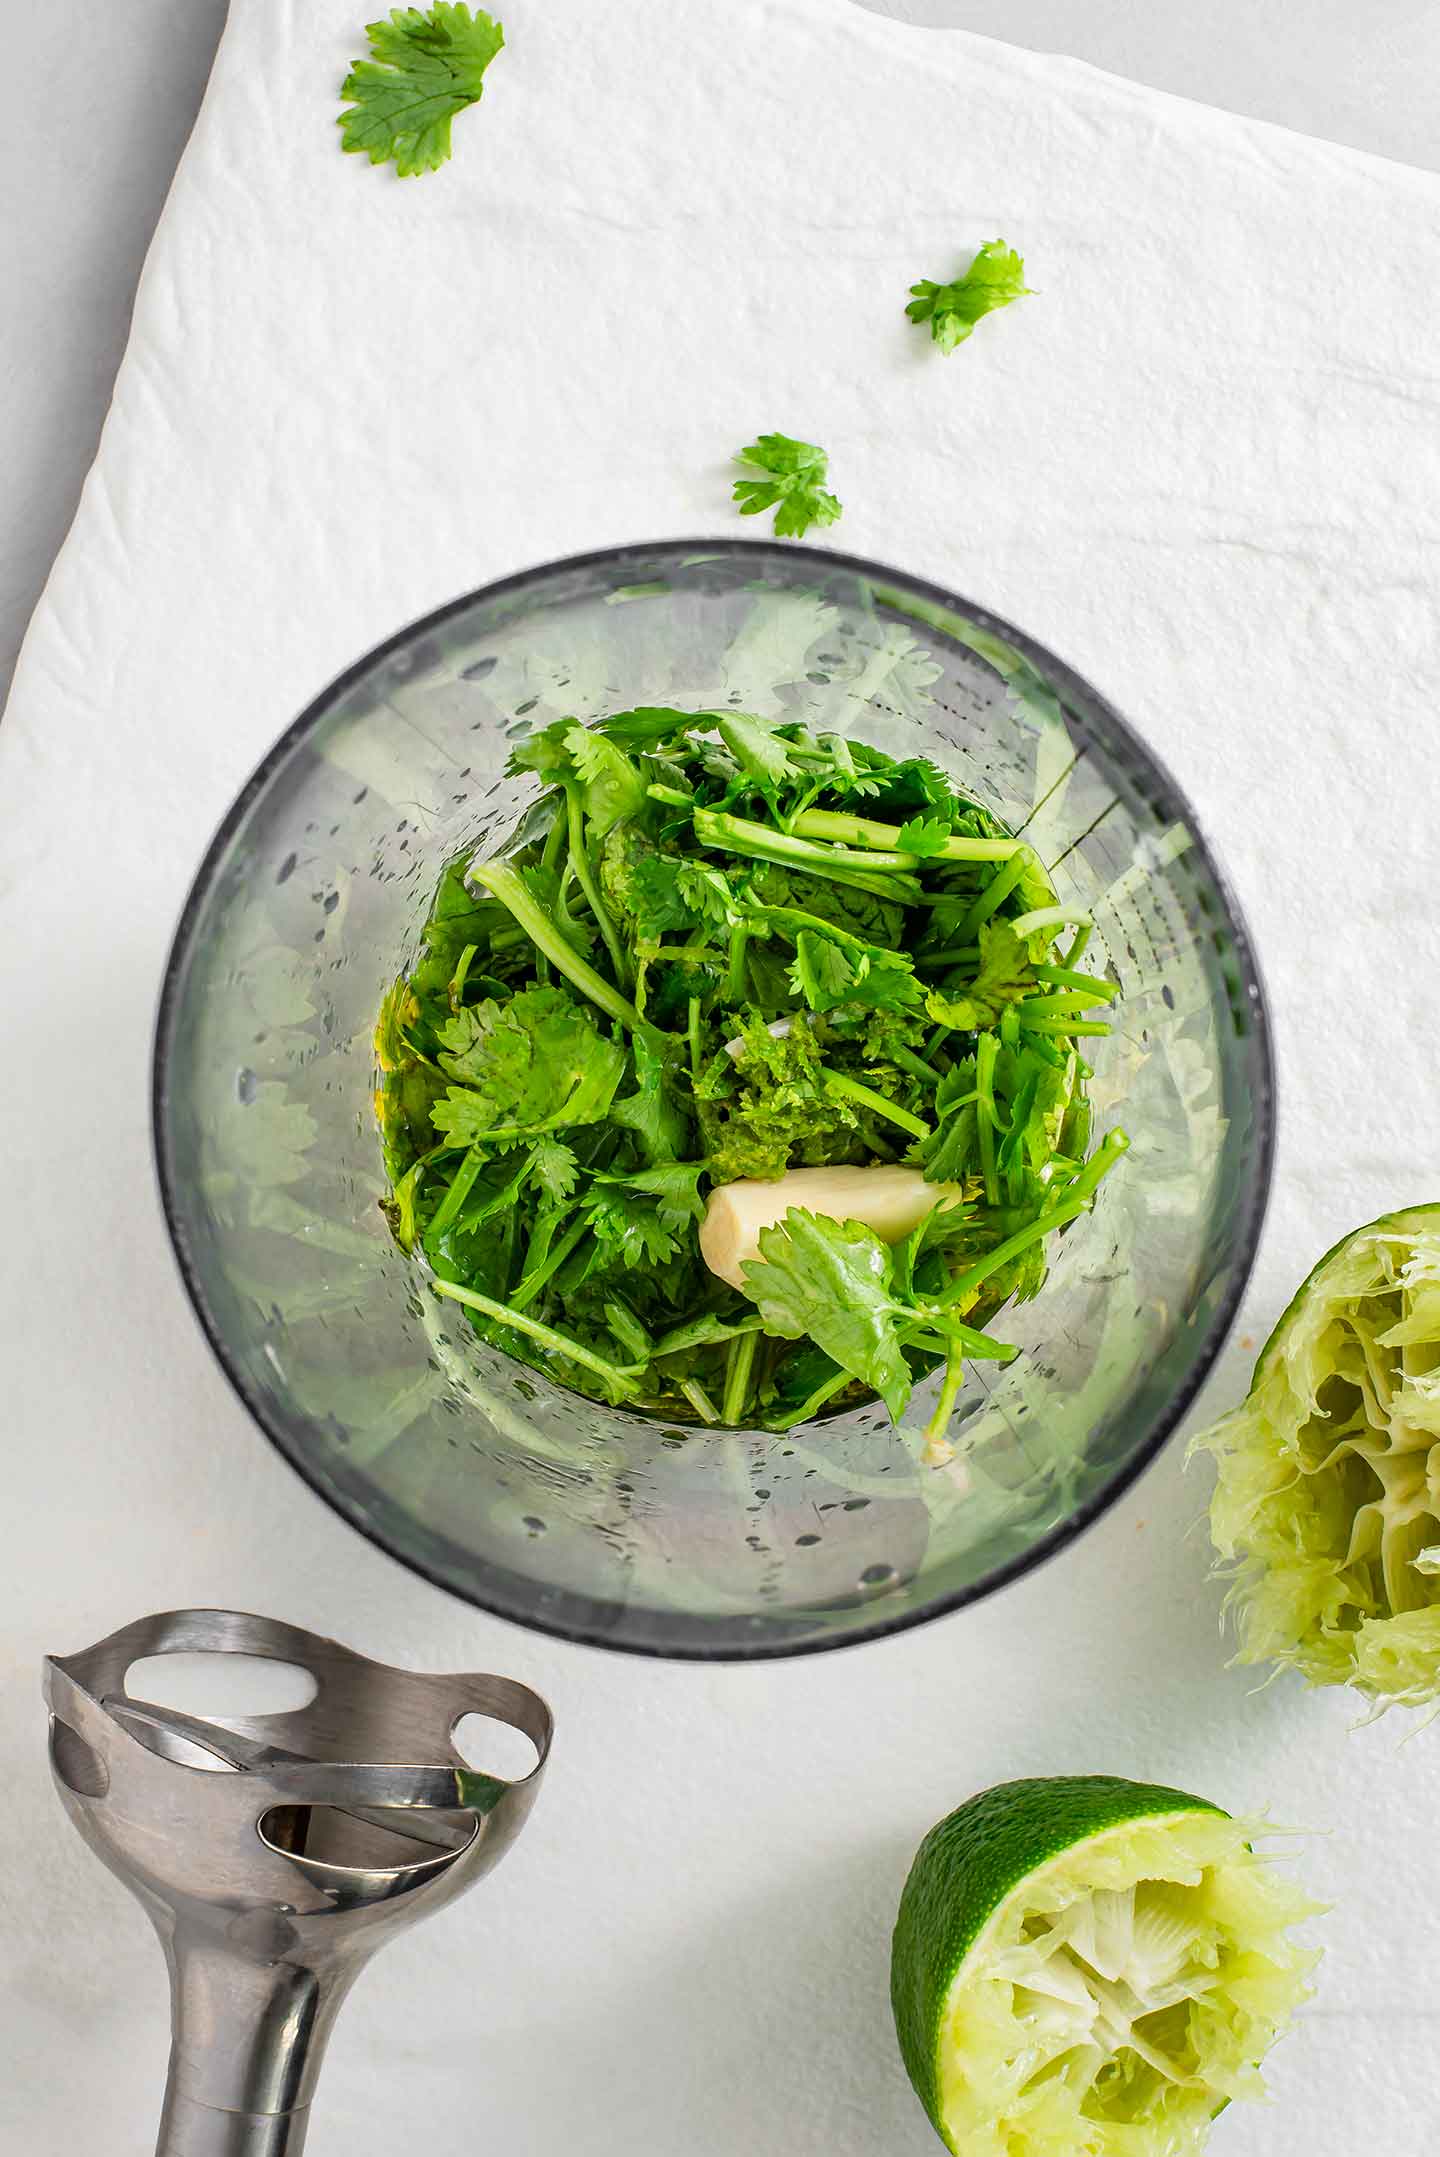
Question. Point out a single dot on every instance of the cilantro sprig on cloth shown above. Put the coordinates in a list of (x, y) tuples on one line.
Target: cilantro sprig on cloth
[(424, 68), (792, 483), (994, 279)]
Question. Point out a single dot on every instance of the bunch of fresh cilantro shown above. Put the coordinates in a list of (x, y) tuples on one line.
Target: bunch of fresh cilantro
[(718, 949)]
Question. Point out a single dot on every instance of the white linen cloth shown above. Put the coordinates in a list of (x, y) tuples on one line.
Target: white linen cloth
[(1202, 463)]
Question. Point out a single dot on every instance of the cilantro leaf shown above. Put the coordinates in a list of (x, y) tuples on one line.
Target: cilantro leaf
[(629, 1229), (953, 1152), (831, 1281), (643, 884), (650, 724), (793, 486), (659, 1123), (913, 787), (822, 972), (547, 752), (994, 279), (675, 1186), (423, 69), (709, 894), (1007, 972), (554, 1167), (758, 751), (873, 920), (612, 785), (827, 972), (923, 835), (534, 1063)]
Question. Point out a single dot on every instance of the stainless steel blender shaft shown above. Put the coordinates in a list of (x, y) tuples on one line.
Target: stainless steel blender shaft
[(275, 1853)]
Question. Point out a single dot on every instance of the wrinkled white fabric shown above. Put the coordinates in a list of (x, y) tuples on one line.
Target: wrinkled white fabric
[(1203, 463)]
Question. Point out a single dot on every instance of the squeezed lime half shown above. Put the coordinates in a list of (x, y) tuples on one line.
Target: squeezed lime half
[(1327, 1496), (1088, 1967)]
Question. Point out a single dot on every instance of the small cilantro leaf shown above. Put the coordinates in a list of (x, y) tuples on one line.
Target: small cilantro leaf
[(708, 893), (650, 724), (759, 752), (994, 279), (822, 972), (793, 486), (534, 1063), (953, 1152), (923, 835), (423, 69), (827, 973), (629, 1229), (543, 752), (613, 787), (554, 1167), (651, 1112), (675, 1187)]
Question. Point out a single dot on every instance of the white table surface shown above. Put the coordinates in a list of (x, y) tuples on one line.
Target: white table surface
[(92, 187), (770, 2013)]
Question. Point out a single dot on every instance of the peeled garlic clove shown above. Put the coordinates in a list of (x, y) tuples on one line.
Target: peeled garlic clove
[(889, 1200)]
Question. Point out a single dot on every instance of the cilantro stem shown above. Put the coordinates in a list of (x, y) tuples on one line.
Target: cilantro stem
[(1051, 917), (1055, 1007), (1060, 1025), (865, 831), (700, 1332), (981, 1270), (693, 1033), (699, 1399), (907, 1060), (738, 1365), (1076, 1198), (505, 884), (554, 845), (1078, 942), (457, 979), (569, 927), (671, 796), (627, 1330), (939, 1422), (980, 1347), (1038, 1044), (559, 1344), (859, 832), (864, 1097), (585, 878), (789, 920), (952, 955), (995, 893), (1065, 977), (735, 977), (737, 835), (1098, 1167), (550, 1261), (817, 1400), (458, 1192), (987, 1048)]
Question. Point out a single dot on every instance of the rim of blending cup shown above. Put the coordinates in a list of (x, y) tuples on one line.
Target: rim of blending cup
[(681, 1636)]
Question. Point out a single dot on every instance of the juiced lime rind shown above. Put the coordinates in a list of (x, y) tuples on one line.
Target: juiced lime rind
[(1328, 1473), (1088, 1967)]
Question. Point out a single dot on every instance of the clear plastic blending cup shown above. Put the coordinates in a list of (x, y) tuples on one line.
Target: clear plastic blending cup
[(595, 1523)]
